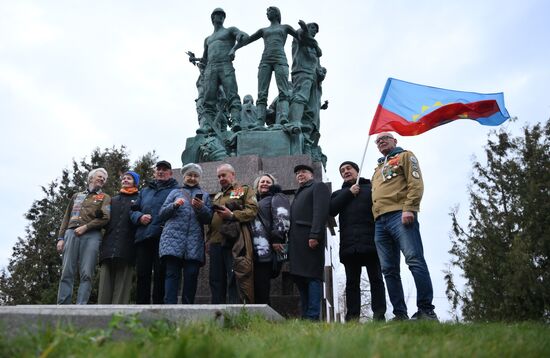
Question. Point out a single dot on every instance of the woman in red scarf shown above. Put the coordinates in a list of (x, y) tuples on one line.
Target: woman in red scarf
[(116, 254)]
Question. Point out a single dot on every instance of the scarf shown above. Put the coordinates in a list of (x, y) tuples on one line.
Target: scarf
[(129, 191), (393, 152)]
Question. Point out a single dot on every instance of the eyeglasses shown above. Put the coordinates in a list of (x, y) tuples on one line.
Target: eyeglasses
[(383, 138)]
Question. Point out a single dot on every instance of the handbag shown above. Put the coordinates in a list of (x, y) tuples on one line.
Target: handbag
[(231, 229), (277, 258)]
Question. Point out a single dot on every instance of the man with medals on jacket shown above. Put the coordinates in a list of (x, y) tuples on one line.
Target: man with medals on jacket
[(397, 189)]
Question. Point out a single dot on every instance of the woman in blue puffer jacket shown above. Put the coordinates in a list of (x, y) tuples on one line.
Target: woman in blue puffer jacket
[(186, 211)]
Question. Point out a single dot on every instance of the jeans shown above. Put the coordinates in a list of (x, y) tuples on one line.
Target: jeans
[(310, 297), (79, 252), (221, 278), (147, 262), (391, 237), (191, 268), (354, 264)]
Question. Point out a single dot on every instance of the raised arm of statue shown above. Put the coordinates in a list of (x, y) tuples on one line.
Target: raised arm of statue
[(306, 38), (242, 39), (290, 30)]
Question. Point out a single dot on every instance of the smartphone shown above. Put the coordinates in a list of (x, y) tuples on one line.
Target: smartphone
[(218, 207), (198, 196)]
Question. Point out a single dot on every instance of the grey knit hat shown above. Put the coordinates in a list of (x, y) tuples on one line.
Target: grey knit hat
[(191, 167)]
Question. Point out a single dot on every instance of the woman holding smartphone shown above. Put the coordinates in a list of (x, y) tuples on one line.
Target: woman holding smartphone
[(186, 211), (269, 231)]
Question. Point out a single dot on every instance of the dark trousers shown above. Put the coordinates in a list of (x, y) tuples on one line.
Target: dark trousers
[(262, 282), (354, 265), (191, 268), (311, 293), (221, 277), (147, 263)]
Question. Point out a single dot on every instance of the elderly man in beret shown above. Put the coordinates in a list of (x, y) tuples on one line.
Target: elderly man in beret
[(308, 217), (80, 235)]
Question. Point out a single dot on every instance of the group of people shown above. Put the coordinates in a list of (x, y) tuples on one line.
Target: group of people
[(165, 230)]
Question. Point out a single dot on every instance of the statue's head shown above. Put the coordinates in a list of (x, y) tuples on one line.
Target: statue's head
[(274, 13), (313, 28), (218, 11), (248, 99)]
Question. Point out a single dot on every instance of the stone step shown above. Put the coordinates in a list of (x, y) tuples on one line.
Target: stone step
[(37, 317)]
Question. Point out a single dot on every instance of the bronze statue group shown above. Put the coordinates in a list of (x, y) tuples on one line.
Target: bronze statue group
[(295, 110)]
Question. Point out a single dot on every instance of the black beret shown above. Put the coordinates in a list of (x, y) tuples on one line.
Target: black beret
[(303, 166), (354, 165)]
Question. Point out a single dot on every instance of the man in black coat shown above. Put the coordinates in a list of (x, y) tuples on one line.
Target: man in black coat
[(307, 236), (357, 249)]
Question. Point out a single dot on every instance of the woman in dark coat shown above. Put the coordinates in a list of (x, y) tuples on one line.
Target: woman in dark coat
[(186, 211), (307, 237), (116, 253), (269, 233)]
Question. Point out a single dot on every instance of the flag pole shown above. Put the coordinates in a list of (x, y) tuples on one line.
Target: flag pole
[(363, 159)]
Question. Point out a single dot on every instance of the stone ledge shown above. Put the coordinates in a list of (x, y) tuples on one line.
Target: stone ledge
[(31, 318)]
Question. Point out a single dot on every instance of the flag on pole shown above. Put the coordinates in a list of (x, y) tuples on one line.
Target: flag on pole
[(411, 109)]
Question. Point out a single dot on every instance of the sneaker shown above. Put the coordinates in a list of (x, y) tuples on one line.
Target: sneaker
[(400, 317), (428, 315), (379, 318)]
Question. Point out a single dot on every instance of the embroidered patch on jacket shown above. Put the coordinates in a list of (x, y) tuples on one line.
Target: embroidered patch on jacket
[(393, 161), (236, 194), (99, 196)]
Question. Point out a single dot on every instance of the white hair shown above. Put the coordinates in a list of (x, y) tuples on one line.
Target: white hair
[(93, 172), (226, 166)]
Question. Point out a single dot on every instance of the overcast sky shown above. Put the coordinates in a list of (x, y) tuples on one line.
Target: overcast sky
[(76, 75)]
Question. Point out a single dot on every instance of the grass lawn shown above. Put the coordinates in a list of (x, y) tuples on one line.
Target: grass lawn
[(247, 336)]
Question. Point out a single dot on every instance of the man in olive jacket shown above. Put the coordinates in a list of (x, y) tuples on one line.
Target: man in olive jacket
[(397, 189), (80, 235), (237, 204), (307, 238)]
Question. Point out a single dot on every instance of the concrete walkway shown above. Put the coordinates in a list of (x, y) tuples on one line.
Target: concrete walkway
[(15, 319)]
